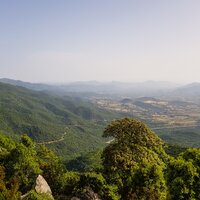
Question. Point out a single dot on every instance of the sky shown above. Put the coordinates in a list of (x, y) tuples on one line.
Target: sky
[(103, 40)]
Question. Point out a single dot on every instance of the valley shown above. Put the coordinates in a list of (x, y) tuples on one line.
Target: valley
[(72, 123), (166, 113), (68, 125), (99, 100), (174, 120)]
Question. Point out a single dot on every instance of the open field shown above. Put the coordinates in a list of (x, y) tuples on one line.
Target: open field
[(175, 121)]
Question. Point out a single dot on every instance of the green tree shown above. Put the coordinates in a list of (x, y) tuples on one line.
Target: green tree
[(193, 155), (181, 179), (22, 163), (68, 183), (135, 152), (146, 182), (98, 184), (8, 190), (88, 162), (52, 167), (184, 175)]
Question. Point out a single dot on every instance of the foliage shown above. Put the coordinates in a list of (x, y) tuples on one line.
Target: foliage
[(6, 142), (52, 167), (23, 164), (8, 191), (146, 182), (86, 163), (126, 158), (32, 195), (174, 150), (46, 117), (184, 175), (129, 131), (192, 155), (69, 181), (134, 166), (99, 185), (181, 179)]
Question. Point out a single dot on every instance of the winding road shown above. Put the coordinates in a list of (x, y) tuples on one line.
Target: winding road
[(53, 141), (109, 141)]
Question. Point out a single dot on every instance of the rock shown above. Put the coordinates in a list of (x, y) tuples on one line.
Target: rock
[(42, 186), (86, 194)]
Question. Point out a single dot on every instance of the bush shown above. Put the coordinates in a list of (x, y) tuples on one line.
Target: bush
[(99, 185)]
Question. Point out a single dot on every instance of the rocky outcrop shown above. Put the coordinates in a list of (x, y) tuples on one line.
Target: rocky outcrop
[(41, 186)]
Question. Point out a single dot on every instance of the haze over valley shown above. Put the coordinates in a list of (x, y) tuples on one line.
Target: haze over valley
[(166, 107)]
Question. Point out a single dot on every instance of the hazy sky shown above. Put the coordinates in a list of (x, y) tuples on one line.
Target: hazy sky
[(105, 40)]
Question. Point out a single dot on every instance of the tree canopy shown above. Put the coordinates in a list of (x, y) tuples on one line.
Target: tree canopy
[(134, 166), (135, 154)]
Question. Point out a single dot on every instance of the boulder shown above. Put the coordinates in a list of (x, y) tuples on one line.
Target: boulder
[(42, 186)]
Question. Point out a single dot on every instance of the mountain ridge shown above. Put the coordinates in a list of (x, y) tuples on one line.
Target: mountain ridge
[(44, 117)]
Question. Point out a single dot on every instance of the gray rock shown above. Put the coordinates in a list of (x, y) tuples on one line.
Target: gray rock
[(42, 186)]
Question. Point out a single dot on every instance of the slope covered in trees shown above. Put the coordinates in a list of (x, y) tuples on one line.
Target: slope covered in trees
[(46, 118), (134, 166)]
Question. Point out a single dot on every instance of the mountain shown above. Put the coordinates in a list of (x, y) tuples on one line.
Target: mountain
[(76, 125), (32, 86), (190, 89), (189, 92), (120, 88), (148, 88)]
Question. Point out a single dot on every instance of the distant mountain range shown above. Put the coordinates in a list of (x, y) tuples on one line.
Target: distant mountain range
[(148, 88), (143, 88)]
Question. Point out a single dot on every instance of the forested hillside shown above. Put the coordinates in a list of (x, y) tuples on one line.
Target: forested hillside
[(130, 161), (134, 165), (74, 124)]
